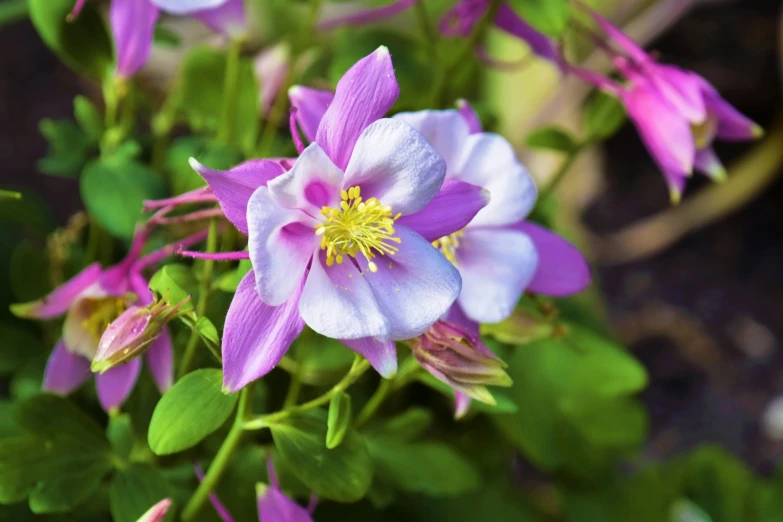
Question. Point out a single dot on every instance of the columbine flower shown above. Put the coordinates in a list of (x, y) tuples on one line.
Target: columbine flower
[(457, 357), (90, 302), (677, 112), (133, 24), (132, 333), (336, 241), (157, 512), (498, 254)]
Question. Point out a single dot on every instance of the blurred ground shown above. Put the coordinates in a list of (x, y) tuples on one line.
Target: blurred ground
[(704, 316)]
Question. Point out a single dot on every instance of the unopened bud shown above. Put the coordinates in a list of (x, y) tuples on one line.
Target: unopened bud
[(157, 512), (133, 332), (458, 358)]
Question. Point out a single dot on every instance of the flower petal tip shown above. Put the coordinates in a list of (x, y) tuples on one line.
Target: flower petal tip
[(485, 195), (23, 310), (261, 490), (757, 131), (675, 196), (382, 52), (196, 165)]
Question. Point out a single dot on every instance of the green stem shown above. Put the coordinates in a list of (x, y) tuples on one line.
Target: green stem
[(12, 11), (476, 35), (276, 114), (292, 396), (430, 35), (406, 373), (203, 300), (228, 121), (561, 173), (223, 456), (360, 365)]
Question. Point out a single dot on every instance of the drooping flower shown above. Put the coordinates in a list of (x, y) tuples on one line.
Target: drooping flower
[(457, 357), (90, 302), (336, 242), (157, 512), (677, 112), (133, 24)]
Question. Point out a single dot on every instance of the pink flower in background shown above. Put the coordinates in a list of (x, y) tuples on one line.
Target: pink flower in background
[(133, 24), (271, 68), (157, 512), (336, 242)]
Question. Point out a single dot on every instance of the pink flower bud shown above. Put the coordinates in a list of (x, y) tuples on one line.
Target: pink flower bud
[(157, 512)]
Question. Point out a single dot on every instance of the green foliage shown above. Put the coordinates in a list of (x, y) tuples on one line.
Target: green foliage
[(604, 116), (83, 43), (175, 283), (548, 16), (69, 148), (552, 138), (342, 474), (120, 435), (59, 461), (134, 490), (113, 192), (338, 420), (192, 409), (182, 176)]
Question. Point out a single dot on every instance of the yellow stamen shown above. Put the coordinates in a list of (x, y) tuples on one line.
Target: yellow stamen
[(448, 245), (101, 312), (357, 227), (704, 132)]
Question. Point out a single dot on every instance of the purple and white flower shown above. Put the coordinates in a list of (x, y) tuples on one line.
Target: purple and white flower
[(340, 242)]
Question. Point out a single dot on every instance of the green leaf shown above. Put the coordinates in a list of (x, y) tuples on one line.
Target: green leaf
[(229, 281), (201, 94), (69, 148), (16, 346), (604, 115), (113, 193), (175, 283), (8, 426), (552, 138), (134, 490), (338, 420), (120, 435), (408, 425), (60, 463), (343, 474), (431, 468), (327, 360), (83, 43), (89, 117), (192, 409), (548, 16)]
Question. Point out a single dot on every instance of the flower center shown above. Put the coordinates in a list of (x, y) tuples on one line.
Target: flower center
[(448, 245), (100, 312), (704, 132), (357, 227)]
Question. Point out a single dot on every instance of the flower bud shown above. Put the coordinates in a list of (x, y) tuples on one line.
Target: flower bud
[(132, 333), (157, 512), (458, 358)]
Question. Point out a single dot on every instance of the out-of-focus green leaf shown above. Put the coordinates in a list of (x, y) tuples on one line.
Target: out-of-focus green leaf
[(229, 281), (83, 43), (192, 409), (604, 115), (175, 282), (552, 138), (17, 345), (201, 94), (548, 16), (88, 117), (134, 490), (338, 420), (342, 474), (29, 271), (114, 191), (327, 360), (69, 148), (120, 435)]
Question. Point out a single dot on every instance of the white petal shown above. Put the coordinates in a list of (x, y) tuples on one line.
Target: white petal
[(394, 163), (446, 131), (187, 6)]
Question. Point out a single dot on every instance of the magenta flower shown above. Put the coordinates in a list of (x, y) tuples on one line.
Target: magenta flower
[(133, 24), (498, 254), (456, 356), (677, 112), (337, 241)]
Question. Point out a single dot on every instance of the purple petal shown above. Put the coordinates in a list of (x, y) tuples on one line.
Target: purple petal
[(132, 24), (469, 115), (682, 89), (461, 404), (310, 105), (65, 371), (364, 94), (460, 19), (509, 21), (496, 265), (274, 506), (562, 269), (489, 161), (58, 302), (140, 286), (228, 18), (115, 281), (221, 510), (312, 183), (381, 354), (367, 16), (445, 131), (665, 133), (630, 47), (707, 162), (159, 360), (115, 384), (256, 336), (186, 6), (234, 187), (732, 125), (456, 315), (394, 163), (450, 210), (281, 243)]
